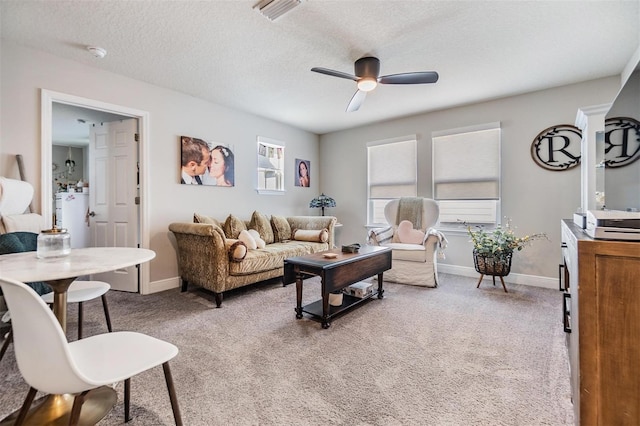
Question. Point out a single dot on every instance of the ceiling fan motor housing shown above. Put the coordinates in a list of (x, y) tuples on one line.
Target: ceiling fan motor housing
[(367, 67)]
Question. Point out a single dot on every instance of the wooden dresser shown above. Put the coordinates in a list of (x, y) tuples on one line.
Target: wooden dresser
[(601, 309)]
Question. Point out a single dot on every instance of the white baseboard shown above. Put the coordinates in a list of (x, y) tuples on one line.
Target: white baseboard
[(162, 285), (532, 280)]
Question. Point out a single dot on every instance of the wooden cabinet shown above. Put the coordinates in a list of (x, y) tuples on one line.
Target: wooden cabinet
[(602, 311)]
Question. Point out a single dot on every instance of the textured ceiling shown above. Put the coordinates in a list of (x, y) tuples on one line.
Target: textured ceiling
[(227, 53)]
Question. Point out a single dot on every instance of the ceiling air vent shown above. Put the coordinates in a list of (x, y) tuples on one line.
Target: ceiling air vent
[(273, 9)]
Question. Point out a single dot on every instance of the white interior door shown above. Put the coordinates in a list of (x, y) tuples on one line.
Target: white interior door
[(114, 221)]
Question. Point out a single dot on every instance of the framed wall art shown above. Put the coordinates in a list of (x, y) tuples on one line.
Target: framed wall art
[(303, 173), (206, 163)]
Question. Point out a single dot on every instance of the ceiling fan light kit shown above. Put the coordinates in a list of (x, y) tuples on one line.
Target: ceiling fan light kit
[(367, 71), (367, 84)]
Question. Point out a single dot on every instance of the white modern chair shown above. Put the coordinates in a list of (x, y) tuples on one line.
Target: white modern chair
[(83, 291), (82, 365), (414, 264)]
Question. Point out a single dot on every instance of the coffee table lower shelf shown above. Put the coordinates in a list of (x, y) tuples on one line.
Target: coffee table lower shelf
[(348, 302)]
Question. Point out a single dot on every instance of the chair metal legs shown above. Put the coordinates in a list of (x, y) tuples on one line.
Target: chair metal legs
[(77, 407), (6, 343), (172, 396), (127, 398), (105, 306), (106, 312), (25, 406)]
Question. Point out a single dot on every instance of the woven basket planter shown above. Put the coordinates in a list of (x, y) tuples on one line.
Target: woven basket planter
[(498, 265)]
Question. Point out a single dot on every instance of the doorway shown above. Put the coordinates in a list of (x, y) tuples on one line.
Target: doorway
[(48, 99)]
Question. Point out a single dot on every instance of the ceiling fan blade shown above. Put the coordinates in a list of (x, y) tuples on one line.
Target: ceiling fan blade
[(410, 78), (334, 73), (356, 101)]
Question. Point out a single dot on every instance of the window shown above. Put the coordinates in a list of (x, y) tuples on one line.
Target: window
[(466, 174), (391, 166), (270, 166)]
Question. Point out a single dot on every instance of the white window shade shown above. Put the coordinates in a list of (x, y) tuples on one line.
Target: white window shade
[(392, 170), (467, 165)]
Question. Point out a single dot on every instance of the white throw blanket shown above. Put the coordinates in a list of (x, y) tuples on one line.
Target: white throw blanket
[(442, 241), (410, 208)]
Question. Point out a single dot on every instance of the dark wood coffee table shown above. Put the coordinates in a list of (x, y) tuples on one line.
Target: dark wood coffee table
[(336, 274)]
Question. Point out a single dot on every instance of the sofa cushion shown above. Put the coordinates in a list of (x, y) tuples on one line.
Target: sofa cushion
[(281, 228), (312, 235), (410, 252), (259, 241), (237, 249), (273, 256), (248, 239), (260, 223), (200, 218), (233, 226)]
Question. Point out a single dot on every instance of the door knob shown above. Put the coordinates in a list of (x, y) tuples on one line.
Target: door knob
[(92, 214)]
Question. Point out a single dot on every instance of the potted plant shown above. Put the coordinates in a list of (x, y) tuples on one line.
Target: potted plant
[(493, 249)]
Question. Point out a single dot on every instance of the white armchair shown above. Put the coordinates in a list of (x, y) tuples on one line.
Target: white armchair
[(413, 263)]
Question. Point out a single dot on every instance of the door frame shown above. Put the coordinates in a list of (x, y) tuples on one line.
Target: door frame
[(48, 97)]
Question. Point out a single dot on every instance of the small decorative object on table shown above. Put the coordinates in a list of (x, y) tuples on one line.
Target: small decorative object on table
[(54, 242), (493, 250), (351, 248)]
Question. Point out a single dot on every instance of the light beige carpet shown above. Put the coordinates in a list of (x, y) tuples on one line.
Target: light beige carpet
[(454, 355)]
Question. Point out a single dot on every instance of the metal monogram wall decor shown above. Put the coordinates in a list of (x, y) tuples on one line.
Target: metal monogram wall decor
[(621, 141), (557, 147)]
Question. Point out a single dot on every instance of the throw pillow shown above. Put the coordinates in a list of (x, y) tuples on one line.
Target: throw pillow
[(260, 223), (380, 236), (200, 218), (312, 235), (233, 226), (28, 222), (247, 239), (259, 241), (237, 249), (281, 228), (408, 235)]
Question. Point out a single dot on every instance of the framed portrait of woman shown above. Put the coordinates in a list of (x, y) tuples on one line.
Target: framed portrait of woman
[(303, 173)]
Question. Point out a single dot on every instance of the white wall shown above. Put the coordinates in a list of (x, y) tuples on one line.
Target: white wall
[(534, 198), (25, 71)]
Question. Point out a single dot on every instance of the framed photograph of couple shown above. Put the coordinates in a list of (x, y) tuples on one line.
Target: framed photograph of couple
[(205, 163)]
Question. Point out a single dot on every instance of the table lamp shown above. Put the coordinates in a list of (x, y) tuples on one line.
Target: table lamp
[(322, 201)]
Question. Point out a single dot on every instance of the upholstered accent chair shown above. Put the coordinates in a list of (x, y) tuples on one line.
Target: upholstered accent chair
[(414, 262)]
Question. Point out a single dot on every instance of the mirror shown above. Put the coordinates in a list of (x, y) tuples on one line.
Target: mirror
[(621, 145)]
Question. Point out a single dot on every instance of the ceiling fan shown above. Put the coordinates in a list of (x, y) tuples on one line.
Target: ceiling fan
[(367, 72)]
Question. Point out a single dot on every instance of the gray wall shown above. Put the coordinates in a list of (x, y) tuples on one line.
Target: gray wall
[(534, 198), (25, 71)]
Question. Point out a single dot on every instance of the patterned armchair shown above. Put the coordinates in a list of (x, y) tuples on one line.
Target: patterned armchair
[(415, 262)]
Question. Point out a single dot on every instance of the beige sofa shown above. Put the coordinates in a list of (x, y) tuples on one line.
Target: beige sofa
[(205, 250)]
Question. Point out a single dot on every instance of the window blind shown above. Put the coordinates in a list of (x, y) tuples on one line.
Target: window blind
[(466, 166), (392, 170)]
